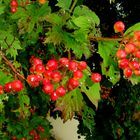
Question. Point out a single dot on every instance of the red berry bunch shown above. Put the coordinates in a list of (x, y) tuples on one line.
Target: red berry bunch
[(14, 86), (13, 6), (51, 75), (36, 133), (128, 55)]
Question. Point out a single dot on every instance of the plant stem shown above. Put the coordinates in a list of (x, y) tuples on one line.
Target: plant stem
[(94, 38), (73, 5), (11, 66)]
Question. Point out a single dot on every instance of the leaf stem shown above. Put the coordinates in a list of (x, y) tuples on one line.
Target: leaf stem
[(73, 5), (11, 66)]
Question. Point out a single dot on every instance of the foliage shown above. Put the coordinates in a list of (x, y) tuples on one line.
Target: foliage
[(106, 110)]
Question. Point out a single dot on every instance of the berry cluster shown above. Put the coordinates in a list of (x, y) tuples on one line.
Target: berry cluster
[(51, 75), (13, 6), (128, 55), (35, 133), (14, 86), (105, 92)]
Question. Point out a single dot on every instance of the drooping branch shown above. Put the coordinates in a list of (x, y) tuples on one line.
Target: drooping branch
[(11, 66)]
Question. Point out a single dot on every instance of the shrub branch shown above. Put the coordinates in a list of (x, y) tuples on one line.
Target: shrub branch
[(11, 66)]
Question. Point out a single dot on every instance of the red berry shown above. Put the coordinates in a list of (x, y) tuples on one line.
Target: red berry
[(1, 90), (128, 72), (52, 64), (134, 65), (82, 65), (48, 88), (137, 54), (73, 83), (96, 77), (61, 91), (13, 3), (32, 132), (8, 87), (32, 69), (36, 61), (130, 48), (13, 9), (22, 138), (14, 138), (56, 76), (45, 81), (73, 65), (17, 85), (39, 77), (33, 80), (40, 128), (123, 63), (47, 74), (78, 74), (137, 72), (54, 96), (121, 54), (137, 35), (64, 61), (119, 26), (39, 68)]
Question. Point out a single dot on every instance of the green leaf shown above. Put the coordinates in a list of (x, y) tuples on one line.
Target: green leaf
[(64, 4), (44, 10), (55, 36), (92, 92), (86, 12), (107, 51), (134, 79), (31, 25), (5, 78), (70, 104), (2, 8), (24, 99), (133, 28), (82, 22), (55, 19)]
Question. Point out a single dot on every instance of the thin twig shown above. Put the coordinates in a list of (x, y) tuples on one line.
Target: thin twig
[(11, 66)]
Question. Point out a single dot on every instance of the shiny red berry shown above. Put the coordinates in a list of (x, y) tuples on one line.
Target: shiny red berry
[(8, 87), (119, 26), (128, 72), (13, 3), (72, 84), (17, 85), (123, 63), (54, 96), (56, 76), (73, 65), (121, 54), (39, 68), (82, 65), (61, 91), (1, 90), (48, 88), (130, 48), (137, 35), (52, 64), (64, 61), (78, 74), (13, 9), (96, 77)]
